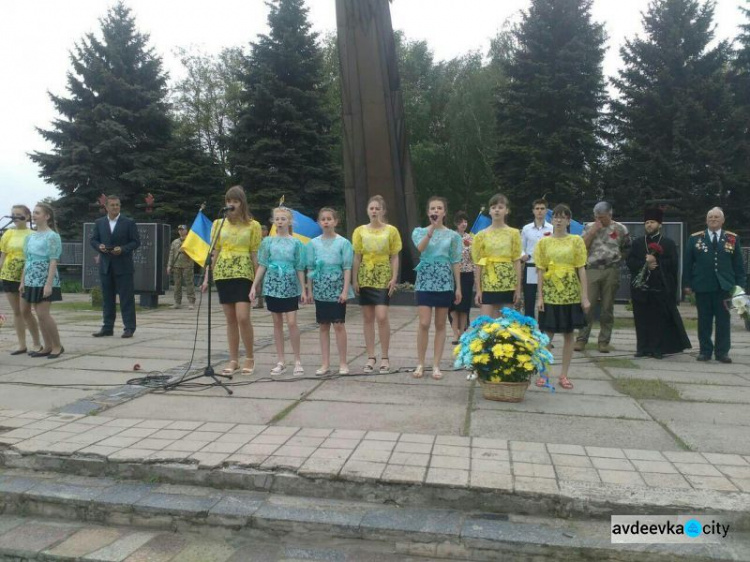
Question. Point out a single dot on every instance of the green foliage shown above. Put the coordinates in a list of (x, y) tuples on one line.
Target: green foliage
[(281, 143), (70, 286), (97, 300), (113, 128), (673, 115), (549, 109)]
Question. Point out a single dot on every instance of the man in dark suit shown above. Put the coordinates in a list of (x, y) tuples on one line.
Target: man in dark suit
[(711, 269), (115, 237)]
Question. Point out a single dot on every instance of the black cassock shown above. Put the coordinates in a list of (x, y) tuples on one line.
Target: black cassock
[(658, 325)]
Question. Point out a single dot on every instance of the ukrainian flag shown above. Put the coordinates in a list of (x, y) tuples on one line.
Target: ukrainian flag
[(575, 226), (482, 221), (198, 241), (304, 228)]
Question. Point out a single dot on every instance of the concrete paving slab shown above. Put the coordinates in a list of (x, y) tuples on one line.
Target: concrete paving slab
[(712, 438), (40, 399), (91, 362), (571, 430), (448, 419), (98, 379), (591, 387), (681, 377), (699, 412), (279, 390), (384, 393), (713, 393), (176, 407), (570, 405)]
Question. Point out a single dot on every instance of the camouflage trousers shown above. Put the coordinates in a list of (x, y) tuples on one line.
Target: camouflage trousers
[(183, 276)]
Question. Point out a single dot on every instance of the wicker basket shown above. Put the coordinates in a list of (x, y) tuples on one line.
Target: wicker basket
[(504, 391)]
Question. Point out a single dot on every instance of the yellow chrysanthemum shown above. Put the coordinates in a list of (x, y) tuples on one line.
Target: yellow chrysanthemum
[(507, 371), (482, 359), (528, 366), (497, 350), (523, 358), (476, 346), (457, 349)]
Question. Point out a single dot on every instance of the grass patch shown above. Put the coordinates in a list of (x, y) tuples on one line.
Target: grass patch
[(615, 362), (643, 389)]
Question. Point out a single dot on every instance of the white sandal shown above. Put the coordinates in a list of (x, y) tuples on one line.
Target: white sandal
[(279, 369), (344, 370), (248, 370), (298, 369), (322, 372)]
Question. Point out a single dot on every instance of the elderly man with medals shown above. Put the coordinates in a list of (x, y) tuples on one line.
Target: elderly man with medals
[(653, 264)]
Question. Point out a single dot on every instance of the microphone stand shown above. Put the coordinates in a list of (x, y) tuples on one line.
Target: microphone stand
[(208, 371)]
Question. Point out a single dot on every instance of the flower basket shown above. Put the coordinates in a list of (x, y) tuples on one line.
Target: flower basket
[(504, 391), (504, 353)]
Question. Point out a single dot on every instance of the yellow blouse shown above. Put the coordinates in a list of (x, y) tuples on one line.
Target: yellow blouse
[(376, 246), (11, 245), (495, 249), (557, 259), (236, 244)]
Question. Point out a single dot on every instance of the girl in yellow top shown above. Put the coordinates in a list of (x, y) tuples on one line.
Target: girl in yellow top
[(562, 297), (375, 274), (235, 259), (11, 268), (496, 252)]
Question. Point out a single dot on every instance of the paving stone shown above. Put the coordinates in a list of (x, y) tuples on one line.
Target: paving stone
[(237, 504), (209, 460), (655, 480), (621, 477), (121, 548), (181, 504), (528, 446), (742, 483), (417, 438), (611, 463), (342, 454), (295, 451), (321, 467), (370, 455), (741, 472), (185, 425), (348, 434), (161, 548), (246, 460), (299, 441), (19, 484), (203, 552), (724, 459), (677, 456), (571, 461), (406, 447), (459, 463), (125, 494), (491, 481), (566, 449), (153, 444), (404, 474), (154, 424), (219, 447), (490, 454), (360, 470), (241, 438), (414, 520), (711, 483), (411, 459), (450, 451), (123, 422), (206, 436), (280, 461), (448, 477), (453, 440), (533, 470), (369, 445), (536, 485), (85, 541), (382, 436), (131, 455), (531, 457), (218, 427), (35, 537), (287, 431), (662, 467), (185, 446), (577, 474), (170, 434), (643, 455), (605, 452), (119, 442), (68, 492), (314, 432), (497, 467), (260, 449), (697, 469), (335, 443), (264, 439), (322, 512)]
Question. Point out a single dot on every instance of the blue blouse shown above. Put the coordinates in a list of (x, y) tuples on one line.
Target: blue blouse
[(39, 249), (327, 259), (435, 269), (282, 258)]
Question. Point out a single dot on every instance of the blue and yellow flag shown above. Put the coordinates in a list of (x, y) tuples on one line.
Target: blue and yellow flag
[(482, 221), (198, 241), (303, 227)]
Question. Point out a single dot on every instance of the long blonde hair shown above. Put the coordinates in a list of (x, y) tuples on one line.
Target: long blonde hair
[(50, 212), (288, 211), (238, 193), (379, 199)]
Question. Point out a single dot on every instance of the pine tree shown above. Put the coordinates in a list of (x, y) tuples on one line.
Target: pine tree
[(548, 111), (282, 142), (114, 125), (671, 120)]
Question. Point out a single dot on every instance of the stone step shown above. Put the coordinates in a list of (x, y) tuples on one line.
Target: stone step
[(147, 510)]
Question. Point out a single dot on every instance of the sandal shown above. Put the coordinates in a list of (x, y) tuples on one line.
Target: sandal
[(323, 372), (279, 369), (437, 374), (298, 369), (385, 369), (540, 382), (565, 383), (370, 367), (231, 368), (246, 368), (344, 370), (418, 372)]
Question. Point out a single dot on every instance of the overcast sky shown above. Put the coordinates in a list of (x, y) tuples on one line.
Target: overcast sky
[(36, 36)]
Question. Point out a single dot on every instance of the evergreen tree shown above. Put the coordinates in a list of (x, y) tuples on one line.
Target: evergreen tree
[(549, 110), (282, 141), (671, 120), (114, 127)]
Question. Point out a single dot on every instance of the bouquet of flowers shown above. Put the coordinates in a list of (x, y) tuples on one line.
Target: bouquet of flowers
[(641, 280), (507, 349), (741, 303)]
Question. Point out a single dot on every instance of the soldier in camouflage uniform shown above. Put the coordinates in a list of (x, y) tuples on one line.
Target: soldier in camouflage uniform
[(608, 245), (182, 265)]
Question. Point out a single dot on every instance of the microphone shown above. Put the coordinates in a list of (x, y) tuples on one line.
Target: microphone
[(227, 208)]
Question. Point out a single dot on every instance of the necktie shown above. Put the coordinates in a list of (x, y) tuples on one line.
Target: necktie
[(715, 240)]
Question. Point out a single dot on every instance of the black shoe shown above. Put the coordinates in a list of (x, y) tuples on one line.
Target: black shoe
[(725, 359), (639, 354), (702, 358), (127, 334), (657, 355), (40, 353), (56, 355), (19, 351), (102, 333)]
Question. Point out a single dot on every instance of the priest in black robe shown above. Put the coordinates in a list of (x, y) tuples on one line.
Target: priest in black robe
[(653, 264)]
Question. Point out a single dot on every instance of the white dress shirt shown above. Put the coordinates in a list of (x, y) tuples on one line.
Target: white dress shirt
[(530, 235), (113, 223)]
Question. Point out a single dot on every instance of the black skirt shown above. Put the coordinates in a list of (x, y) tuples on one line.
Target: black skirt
[(435, 299), (10, 286), (561, 318), (467, 292), (498, 297), (369, 296), (233, 290), (279, 305), (36, 295), (330, 312)]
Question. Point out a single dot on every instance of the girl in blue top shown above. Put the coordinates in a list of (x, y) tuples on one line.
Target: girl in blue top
[(438, 280), (40, 282), (329, 266), (281, 260)]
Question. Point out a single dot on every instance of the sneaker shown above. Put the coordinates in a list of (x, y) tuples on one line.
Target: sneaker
[(191, 307), (176, 306), (603, 348), (579, 346)]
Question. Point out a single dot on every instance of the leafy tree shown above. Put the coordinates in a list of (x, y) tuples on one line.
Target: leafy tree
[(281, 144), (549, 109), (114, 126), (671, 119)]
